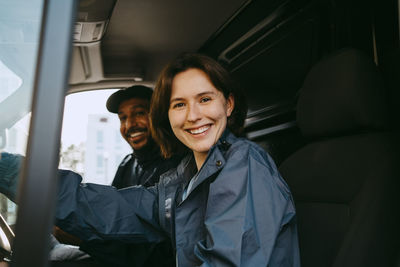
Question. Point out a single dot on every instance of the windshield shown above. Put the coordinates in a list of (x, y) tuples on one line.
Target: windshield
[(20, 22), (9, 82)]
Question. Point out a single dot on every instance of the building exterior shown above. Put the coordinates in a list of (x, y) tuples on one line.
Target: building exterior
[(105, 148)]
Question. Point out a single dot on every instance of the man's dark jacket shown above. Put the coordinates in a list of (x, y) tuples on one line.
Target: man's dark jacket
[(136, 169), (143, 168)]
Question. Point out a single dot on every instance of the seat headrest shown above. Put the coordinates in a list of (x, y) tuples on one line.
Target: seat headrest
[(341, 94)]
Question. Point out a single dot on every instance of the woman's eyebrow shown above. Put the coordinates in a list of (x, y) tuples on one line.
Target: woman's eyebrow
[(198, 95), (176, 99), (206, 93)]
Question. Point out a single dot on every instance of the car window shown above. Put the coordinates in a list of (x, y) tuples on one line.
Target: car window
[(19, 36), (9, 81), (20, 23), (91, 143)]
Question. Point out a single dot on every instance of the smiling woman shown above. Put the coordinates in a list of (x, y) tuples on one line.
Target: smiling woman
[(199, 75), (232, 209), (226, 188), (198, 112)]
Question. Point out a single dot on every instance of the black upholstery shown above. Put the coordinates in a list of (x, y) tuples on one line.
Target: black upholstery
[(345, 180)]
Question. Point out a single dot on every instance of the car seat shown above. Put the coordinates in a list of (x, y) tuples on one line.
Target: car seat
[(345, 179)]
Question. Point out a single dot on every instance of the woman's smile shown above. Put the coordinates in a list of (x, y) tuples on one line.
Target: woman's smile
[(202, 130), (198, 112)]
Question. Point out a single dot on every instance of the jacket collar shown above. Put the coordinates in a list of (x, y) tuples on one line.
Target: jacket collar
[(214, 162), (187, 168), (148, 155)]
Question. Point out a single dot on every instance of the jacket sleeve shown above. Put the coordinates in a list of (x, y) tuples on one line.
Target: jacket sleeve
[(99, 212), (10, 165), (250, 218)]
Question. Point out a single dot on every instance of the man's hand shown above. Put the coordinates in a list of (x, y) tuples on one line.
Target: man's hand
[(65, 238)]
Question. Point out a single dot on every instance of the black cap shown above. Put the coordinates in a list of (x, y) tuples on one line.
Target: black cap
[(136, 91)]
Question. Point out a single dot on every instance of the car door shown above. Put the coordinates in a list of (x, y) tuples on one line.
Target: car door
[(35, 42)]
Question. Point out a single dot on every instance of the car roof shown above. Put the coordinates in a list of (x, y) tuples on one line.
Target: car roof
[(142, 36)]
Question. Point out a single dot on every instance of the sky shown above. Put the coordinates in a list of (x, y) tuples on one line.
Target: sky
[(77, 108)]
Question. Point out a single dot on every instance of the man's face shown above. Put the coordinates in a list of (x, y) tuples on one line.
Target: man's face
[(134, 117)]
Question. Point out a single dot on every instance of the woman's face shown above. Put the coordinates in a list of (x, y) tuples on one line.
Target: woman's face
[(198, 111)]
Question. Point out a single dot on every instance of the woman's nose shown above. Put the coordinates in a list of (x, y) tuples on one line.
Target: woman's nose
[(194, 113)]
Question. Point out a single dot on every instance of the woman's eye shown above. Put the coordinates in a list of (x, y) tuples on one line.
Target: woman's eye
[(178, 105), (205, 99)]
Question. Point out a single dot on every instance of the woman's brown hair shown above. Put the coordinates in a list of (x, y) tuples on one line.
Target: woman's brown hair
[(219, 77)]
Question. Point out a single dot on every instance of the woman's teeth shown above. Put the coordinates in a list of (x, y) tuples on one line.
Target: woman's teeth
[(199, 130)]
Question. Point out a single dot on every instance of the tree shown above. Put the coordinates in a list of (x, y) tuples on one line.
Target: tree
[(73, 158)]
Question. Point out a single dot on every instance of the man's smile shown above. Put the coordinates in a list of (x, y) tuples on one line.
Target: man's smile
[(136, 135), (133, 135)]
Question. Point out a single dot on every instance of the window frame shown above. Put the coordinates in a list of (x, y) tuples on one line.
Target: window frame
[(38, 185)]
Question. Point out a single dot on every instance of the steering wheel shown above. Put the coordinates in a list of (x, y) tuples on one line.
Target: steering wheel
[(6, 238)]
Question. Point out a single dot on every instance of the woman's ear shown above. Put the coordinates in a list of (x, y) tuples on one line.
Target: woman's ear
[(230, 104)]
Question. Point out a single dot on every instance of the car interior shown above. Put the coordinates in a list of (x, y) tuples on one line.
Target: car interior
[(344, 178), (321, 79)]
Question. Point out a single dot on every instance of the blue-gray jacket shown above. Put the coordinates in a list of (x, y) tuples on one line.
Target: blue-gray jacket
[(239, 211)]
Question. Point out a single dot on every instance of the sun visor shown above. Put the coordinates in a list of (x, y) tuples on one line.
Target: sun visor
[(92, 20), (86, 65)]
